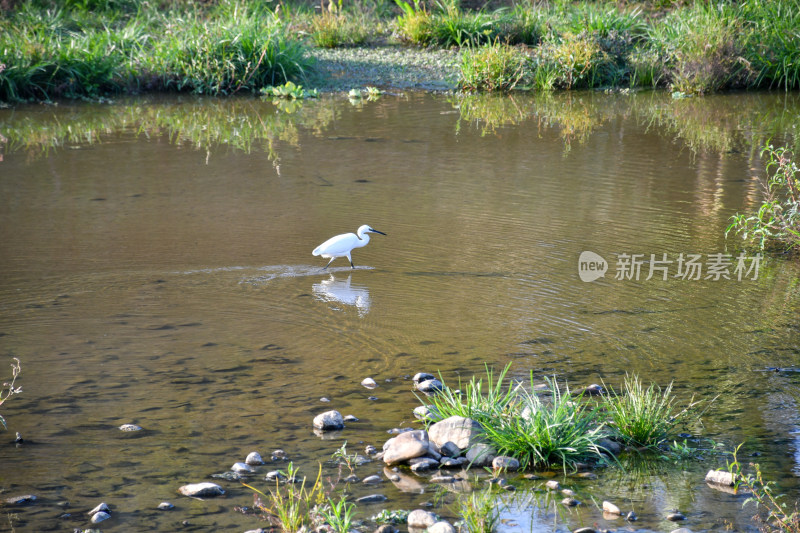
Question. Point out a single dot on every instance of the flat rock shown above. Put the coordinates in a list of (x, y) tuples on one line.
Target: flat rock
[(372, 480), (610, 508), (329, 421), (130, 427), (423, 464), (461, 431), (201, 490), (405, 446), (372, 498), (552, 485), (421, 519), (102, 507), (254, 458), (21, 500), (99, 517), (165, 506), (676, 517)]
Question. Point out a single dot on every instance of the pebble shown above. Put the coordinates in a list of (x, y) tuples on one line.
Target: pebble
[(325, 400), (441, 526), (568, 493), (631, 517), (676, 517), (420, 518), (442, 479), (430, 386), (570, 502), (369, 383), (371, 480), (273, 475), (610, 508), (370, 450), (165, 506), (552, 485), (254, 458), (279, 454), (350, 418), (329, 420), (130, 427), (419, 377), (99, 517), (201, 490), (585, 530)]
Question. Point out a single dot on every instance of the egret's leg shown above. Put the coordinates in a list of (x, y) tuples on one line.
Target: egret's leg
[(351, 261), (329, 263)]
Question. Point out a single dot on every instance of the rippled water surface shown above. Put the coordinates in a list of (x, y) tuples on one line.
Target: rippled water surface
[(156, 269)]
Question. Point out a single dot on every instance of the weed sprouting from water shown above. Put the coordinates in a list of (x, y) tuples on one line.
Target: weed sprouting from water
[(479, 511), (8, 389)]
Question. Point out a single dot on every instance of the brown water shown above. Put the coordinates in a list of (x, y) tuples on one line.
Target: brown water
[(156, 268)]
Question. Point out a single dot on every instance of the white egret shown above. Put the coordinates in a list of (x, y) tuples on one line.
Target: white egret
[(342, 245)]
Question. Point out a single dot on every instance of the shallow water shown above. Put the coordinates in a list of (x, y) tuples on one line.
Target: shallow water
[(156, 268)]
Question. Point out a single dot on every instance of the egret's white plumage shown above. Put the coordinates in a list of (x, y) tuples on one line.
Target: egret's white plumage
[(342, 245)]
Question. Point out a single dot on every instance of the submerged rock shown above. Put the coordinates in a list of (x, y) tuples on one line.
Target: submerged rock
[(130, 427), (100, 517), (242, 468), (481, 455), (720, 477), (552, 485), (201, 490), (421, 377), (676, 517), (430, 386), (102, 507), (21, 500), (165, 506), (329, 420), (423, 464), (369, 383), (505, 463), (372, 498)]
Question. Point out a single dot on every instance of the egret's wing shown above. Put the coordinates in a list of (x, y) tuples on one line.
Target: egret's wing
[(339, 245)]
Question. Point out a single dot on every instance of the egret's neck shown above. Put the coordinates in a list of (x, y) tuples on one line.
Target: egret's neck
[(363, 239)]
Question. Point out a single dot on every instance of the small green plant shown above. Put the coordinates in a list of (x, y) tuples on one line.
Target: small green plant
[(294, 507), (762, 494), (349, 460), (396, 516), (643, 417), (338, 515), (290, 91), (777, 222), (479, 511), (8, 389)]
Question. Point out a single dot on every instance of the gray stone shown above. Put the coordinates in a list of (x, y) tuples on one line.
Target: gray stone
[(422, 376), (441, 526), (372, 498), (552, 485), (350, 418), (368, 383), (590, 390), (102, 507), (371, 480), (242, 468), (21, 500), (130, 427), (426, 412), (279, 455), (480, 455), (430, 386), (254, 458), (329, 420), (568, 492), (405, 446), (570, 502), (454, 462), (609, 446), (504, 462), (675, 517), (463, 432), (423, 464), (165, 506), (720, 477), (610, 508), (631, 517), (420, 518), (99, 517), (201, 490), (450, 449)]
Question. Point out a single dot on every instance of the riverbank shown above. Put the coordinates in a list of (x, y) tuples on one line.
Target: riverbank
[(131, 47)]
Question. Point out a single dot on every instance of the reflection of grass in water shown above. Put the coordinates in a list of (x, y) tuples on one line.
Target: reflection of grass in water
[(238, 123)]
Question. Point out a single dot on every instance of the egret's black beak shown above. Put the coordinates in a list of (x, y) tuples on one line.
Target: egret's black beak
[(376, 231)]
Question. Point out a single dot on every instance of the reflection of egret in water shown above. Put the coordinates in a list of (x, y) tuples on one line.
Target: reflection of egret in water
[(333, 290)]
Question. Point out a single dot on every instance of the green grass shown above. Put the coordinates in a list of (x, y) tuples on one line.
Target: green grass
[(643, 417), (479, 511), (494, 67)]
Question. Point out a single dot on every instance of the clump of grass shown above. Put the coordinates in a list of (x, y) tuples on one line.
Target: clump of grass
[(777, 222), (494, 67), (643, 417), (453, 27), (570, 61), (773, 512), (337, 514), (772, 46), (294, 507), (8, 389), (334, 28), (479, 511), (563, 431)]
